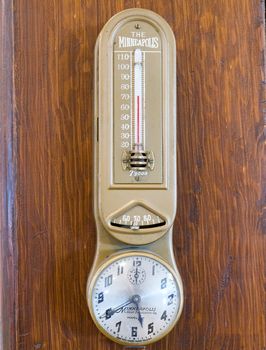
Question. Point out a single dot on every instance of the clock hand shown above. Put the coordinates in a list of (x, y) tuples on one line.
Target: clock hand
[(140, 318), (136, 275), (136, 300), (109, 312)]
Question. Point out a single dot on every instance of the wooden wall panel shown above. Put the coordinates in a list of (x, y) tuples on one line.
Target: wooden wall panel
[(8, 256), (220, 234)]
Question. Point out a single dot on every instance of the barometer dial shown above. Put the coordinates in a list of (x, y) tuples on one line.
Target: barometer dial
[(136, 218), (135, 298)]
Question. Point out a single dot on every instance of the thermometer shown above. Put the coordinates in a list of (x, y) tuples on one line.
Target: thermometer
[(137, 159), (134, 290), (138, 144)]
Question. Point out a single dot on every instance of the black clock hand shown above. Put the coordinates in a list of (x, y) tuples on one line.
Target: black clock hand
[(136, 275), (140, 318), (111, 311), (136, 300)]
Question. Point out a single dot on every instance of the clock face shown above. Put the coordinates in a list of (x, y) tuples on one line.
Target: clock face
[(135, 298)]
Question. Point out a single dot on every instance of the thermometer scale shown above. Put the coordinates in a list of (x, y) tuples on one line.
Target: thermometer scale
[(137, 159), (134, 290)]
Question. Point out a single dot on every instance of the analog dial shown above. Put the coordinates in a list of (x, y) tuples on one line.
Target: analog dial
[(135, 298)]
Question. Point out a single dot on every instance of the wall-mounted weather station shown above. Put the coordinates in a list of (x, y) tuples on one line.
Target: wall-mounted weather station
[(134, 290)]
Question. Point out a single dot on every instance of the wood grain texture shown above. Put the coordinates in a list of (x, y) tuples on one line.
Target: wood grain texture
[(8, 257), (220, 231)]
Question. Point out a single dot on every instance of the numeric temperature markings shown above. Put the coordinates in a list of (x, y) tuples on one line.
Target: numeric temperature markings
[(124, 68)]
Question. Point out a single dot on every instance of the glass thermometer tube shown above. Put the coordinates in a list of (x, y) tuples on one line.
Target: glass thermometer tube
[(138, 121)]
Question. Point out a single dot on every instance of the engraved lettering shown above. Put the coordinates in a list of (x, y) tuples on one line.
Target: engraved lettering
[(152, 42), (137, 173)]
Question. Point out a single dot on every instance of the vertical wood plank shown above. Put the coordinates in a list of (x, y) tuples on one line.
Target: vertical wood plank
[(220, 244), (8, 258), (54, 86)]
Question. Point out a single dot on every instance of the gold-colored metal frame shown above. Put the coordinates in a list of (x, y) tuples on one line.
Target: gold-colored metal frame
[(116, 257), (110, 198)]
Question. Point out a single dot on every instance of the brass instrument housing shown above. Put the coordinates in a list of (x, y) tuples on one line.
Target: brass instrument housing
[(157, 194)]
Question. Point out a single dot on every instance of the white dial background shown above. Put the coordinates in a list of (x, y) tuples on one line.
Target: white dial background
[(136, 299)]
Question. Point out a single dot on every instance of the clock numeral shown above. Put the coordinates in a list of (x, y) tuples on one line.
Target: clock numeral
[(153, 270), (150, 328), (108, 313), (170, 299), (108, 280), (164, 316), (136, 263), (134, 331), (120, 270), (118, 325), (100, 297), (163, 283)]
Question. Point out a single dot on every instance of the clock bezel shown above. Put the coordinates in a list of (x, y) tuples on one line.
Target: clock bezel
[(126, 254)]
